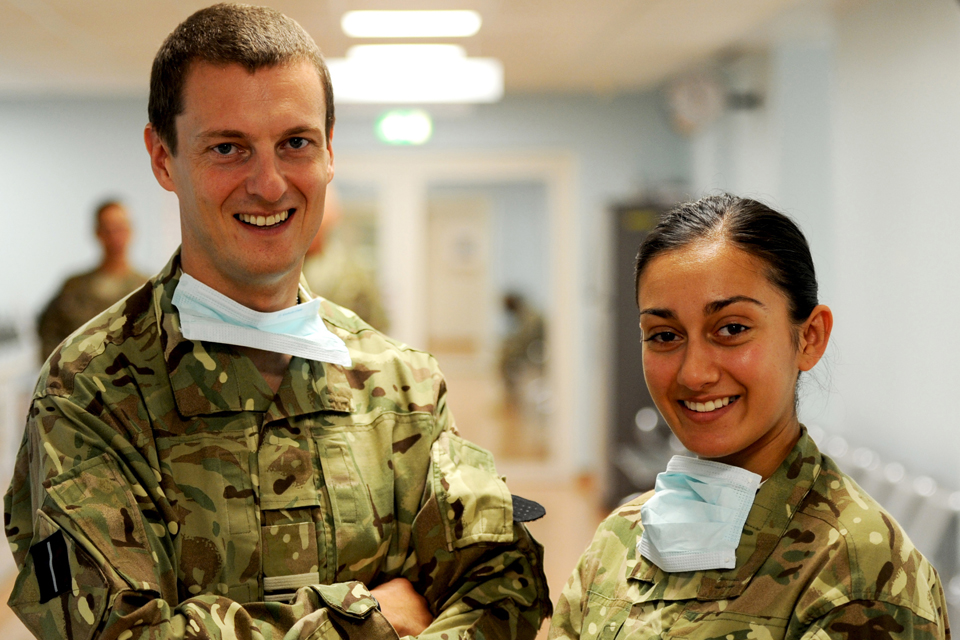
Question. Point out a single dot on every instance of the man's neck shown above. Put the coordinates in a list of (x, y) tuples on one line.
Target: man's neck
[(275, 295), (114, 265)]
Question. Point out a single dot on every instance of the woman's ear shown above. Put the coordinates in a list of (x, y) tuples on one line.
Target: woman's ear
[(814, 336)]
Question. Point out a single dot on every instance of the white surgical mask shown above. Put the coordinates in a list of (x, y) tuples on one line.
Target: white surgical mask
[(206, 314), (695, 518)]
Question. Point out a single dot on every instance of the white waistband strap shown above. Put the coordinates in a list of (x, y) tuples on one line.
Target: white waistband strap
[(284, 583)]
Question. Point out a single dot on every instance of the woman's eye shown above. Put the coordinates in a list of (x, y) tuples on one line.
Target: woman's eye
[(732, 329), (663, 337)]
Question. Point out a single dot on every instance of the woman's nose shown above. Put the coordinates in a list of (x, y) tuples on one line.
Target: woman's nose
[(699, 369)]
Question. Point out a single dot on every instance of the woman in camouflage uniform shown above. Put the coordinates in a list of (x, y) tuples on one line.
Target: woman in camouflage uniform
[(761, 536)]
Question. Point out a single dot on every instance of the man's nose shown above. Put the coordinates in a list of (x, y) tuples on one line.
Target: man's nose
[(266, 179), (699, 368)]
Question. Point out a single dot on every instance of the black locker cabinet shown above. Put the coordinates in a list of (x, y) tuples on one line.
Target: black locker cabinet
[(639, 442)]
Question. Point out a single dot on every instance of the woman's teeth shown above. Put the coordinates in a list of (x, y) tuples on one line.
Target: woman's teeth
[(712, 405), (264, 221)]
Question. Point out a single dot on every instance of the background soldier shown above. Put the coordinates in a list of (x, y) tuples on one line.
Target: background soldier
[(84, 295)]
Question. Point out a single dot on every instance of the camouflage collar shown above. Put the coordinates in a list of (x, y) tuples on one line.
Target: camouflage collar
[(776, 503), (208, 378)]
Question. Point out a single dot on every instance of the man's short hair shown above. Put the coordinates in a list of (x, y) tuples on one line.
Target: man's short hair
[(253, 37)]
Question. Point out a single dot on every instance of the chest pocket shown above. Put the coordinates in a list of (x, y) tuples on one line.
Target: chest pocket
[(288, 478), (359, 483), (670, 608), (216, 503)]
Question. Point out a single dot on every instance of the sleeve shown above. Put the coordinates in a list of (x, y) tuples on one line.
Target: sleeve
[(481, 572), (87, 522), (53, 325), (874, 619), (567, 621)]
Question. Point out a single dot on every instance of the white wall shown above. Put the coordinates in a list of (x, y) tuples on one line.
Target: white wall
[(896, 163)]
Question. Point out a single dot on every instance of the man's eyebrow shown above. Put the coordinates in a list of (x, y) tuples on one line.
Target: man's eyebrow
[(221, 133), (712, 307), (301, 129), (660, 313), (233, 133)]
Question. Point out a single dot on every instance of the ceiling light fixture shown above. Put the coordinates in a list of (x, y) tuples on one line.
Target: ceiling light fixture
[(414, 74), (410, 24)]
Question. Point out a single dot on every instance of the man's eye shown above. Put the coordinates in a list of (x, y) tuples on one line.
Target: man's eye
[(298, 143), (224, 148), (732, 329)]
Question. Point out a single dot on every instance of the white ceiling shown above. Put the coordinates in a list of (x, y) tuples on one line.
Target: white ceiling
[(106, 46)]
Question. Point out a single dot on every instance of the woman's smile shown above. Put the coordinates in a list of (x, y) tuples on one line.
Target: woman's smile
[(708, 406)]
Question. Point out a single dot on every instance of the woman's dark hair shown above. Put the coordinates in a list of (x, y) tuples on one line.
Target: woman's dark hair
[(748, 225)]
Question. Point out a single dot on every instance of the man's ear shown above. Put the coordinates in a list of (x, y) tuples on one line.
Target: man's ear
[(814, 337), (160, 157), (330, 152)]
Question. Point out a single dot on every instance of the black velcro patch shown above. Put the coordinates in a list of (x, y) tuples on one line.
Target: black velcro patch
[(526, 510), (51, 566)]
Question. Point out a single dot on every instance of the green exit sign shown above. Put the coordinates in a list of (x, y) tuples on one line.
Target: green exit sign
[(404, 126)]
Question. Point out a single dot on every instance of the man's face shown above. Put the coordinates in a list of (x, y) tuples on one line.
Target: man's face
[(251, 173), (113, 231)]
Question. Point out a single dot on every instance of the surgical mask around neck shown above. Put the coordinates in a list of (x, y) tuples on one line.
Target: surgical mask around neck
[(695, 518), (206, 314)]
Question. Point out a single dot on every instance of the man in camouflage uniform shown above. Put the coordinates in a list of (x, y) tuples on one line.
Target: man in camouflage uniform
[(818, 558), (85, 295), (173, 488)]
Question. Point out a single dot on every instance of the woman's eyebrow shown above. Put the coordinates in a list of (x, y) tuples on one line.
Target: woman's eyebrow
[(660, 313), (712, 307)]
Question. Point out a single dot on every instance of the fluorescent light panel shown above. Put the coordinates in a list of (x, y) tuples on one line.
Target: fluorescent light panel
[(410, 24), (414, 74)]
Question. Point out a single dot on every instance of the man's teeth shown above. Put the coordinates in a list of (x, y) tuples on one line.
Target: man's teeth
[(703, 407), (264, 221)]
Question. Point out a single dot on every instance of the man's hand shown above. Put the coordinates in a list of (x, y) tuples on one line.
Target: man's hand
[(403, 607)]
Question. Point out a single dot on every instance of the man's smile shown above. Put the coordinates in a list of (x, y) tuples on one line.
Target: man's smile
[(265, 220)]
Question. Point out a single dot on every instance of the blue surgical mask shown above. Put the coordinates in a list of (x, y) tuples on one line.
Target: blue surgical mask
[(206, 314), (695, 518)]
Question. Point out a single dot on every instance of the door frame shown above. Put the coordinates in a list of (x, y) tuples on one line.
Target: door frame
[(402, 180)]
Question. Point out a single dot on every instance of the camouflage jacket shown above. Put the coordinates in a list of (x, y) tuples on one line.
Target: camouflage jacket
[(162, 490), (818, 558)]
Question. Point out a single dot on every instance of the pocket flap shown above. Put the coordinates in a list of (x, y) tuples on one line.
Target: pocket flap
[(475, 504), (351, 599), (97, 499)]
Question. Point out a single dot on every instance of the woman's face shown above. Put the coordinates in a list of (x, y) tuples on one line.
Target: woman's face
[(721, 355)]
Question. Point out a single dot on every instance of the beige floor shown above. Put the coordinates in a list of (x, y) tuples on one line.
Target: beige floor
[(572, 505)]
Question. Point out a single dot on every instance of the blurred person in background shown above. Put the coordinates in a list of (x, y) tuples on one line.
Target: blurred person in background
[(85, 295), (761, 535), (522, 349), (333, 269)]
